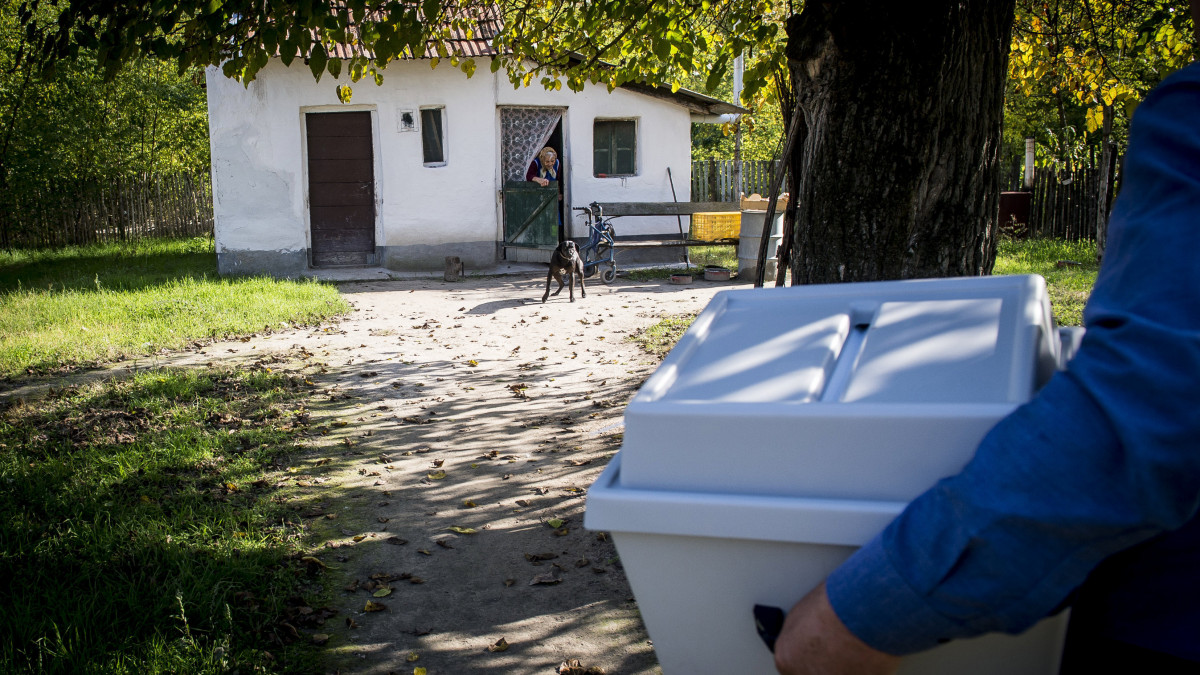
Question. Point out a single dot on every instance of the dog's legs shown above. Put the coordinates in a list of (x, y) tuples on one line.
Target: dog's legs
[(579, 273), (549, 276), (560, 285)]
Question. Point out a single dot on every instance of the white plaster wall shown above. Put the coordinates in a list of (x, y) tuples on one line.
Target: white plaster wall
[(259, 165)]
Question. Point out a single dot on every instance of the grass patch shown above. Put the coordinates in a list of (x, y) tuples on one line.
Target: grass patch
[(660, 338), (141, 528), (85, 305), (1069, 286), (700, 257)]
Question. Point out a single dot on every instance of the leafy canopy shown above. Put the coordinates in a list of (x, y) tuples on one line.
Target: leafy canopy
[(558, 42), (1098, 53)]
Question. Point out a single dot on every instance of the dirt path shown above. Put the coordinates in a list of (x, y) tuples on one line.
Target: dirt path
[(518, 405), (466, 405)]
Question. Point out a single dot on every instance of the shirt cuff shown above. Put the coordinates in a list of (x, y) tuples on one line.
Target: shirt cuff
[(869, 595)]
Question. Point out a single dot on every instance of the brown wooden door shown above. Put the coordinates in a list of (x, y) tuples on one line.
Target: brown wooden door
[(341, 188)]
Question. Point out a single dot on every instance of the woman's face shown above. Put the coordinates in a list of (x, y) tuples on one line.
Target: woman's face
[(547, 155)]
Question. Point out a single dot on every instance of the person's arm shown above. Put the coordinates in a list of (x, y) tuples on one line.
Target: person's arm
[(1103, 458), (531, 174)]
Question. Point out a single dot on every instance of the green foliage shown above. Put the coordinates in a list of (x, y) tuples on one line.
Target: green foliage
[(557, 43), (99, 303), (1075, 61), (73, 128), (141, 530)]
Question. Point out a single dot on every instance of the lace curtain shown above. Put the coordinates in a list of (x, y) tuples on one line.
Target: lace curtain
[(524, 131)]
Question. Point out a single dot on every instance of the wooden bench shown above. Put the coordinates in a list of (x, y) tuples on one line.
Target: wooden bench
[(627, 209)]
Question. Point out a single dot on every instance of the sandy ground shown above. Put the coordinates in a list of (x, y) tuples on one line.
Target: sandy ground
[(470, 405)]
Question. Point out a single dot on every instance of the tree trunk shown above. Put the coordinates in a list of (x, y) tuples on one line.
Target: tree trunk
[(899, 171)]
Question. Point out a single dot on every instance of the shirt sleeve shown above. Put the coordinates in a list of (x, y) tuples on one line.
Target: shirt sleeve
[(532, 171), (1106, 456)]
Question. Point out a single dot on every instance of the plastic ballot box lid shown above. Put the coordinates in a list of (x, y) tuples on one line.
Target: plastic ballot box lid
[(857, 391)]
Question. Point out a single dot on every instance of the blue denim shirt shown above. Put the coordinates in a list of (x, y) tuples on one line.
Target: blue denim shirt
[(1105, 457)]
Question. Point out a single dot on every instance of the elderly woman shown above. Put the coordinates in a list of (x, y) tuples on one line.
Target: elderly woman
[(544, 168)]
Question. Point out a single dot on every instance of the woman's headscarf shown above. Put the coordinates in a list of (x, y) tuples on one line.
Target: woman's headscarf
[(547, 159)]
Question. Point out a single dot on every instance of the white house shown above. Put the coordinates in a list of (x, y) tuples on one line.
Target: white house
[(430, 164)]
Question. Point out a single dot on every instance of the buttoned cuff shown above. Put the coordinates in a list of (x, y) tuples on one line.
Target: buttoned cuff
[(881, 609)]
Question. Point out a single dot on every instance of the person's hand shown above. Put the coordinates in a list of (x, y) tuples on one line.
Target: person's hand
[(814, 641), (541, 181)]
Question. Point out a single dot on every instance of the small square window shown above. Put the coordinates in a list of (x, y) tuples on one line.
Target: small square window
[(614, 148), (433, 136)]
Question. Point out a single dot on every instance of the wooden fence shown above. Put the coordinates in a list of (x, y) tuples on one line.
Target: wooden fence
[(1063, 205), (712, 180), (147, 206)]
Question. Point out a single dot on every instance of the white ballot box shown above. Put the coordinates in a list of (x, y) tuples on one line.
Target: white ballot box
[(788, 427)]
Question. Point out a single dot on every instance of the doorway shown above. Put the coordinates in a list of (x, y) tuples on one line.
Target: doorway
[(341, 189), (533, 215)]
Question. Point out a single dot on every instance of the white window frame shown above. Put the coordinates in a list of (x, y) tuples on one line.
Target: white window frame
[(445, 142)]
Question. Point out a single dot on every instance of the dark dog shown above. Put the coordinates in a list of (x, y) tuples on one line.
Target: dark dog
[(565, 262)]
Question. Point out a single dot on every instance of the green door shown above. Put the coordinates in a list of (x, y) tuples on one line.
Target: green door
[(531, 215)]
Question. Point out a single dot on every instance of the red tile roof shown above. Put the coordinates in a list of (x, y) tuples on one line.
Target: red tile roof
[(482, 24)]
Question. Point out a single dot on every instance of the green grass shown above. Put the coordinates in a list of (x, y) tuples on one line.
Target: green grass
[(86, 305), (1069, 286), (140, 528), (660, 338), (699, 256)]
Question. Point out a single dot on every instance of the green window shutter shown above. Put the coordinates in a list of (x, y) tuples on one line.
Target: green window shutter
[(614, 147), (601, 148), (624, 150)]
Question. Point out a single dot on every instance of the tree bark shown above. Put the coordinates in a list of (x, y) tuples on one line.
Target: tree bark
[(899, 171)]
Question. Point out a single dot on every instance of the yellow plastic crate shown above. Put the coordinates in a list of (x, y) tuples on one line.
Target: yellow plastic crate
[(713, 226)]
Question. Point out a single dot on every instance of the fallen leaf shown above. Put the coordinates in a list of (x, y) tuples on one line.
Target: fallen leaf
[(423, 551), (462, 530), (412, 656), (419, 671), (436, 475), (352, 587), (437, 463), (562, 532), (382, 593), (396, 541), (373, 606), (320, 638), (469, 504), (555, 523), (415, 580), (509, 582), (351, 623), (382, 519), (522, 502), (443, 543), (547, 579), (473, 363), (533, 557), (499, 645), (359, 537)]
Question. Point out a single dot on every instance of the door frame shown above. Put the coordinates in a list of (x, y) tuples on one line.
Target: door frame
[(568, 170), (376, 171)]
